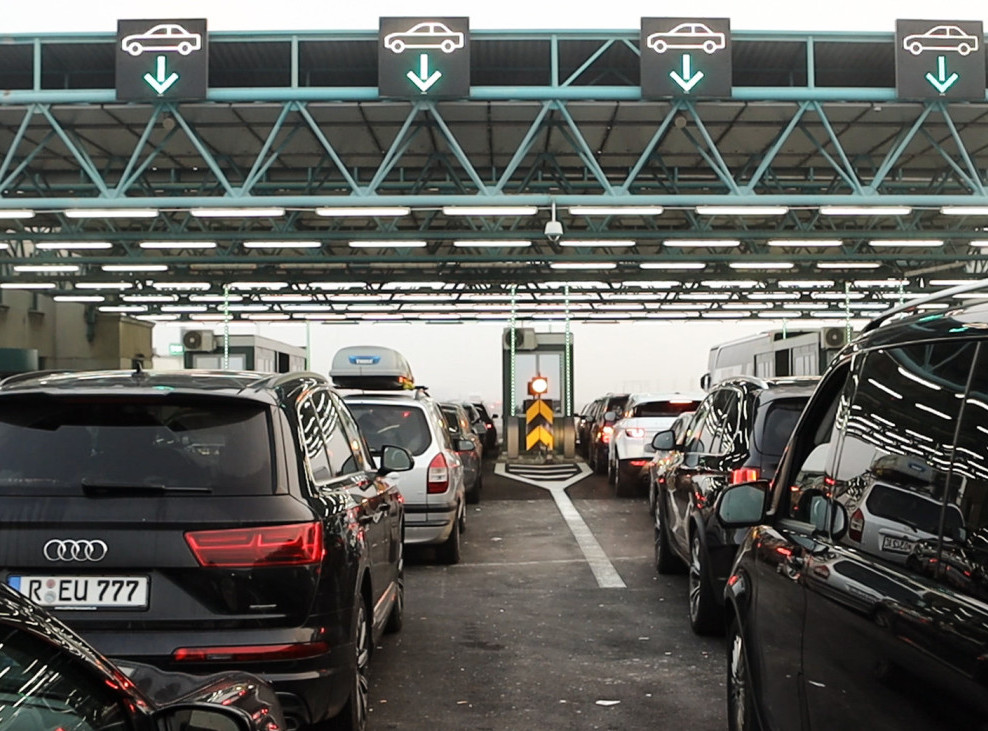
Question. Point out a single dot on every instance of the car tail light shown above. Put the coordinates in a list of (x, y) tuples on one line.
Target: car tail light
[(605, 434), (250, 653), (635, 432), (437, 479), (744, 474), (639, 462), (855, 527), (271, 545)]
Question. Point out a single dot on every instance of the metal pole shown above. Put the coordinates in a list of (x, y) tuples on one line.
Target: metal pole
[(511, 355), (226, 327), (567, 360)]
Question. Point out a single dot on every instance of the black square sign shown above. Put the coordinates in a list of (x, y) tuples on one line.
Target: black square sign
[(686, 57), (162, 59), (939, 59), (424, 58)]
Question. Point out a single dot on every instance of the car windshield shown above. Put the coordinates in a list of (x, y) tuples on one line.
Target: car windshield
[(396, 424), (62, 446), (664, 408)]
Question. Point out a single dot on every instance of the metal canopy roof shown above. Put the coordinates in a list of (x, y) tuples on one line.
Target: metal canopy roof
[(555, 121)]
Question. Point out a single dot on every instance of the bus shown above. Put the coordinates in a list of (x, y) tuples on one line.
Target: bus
[(775, 354)]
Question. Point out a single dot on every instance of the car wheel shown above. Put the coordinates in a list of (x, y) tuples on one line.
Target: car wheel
[(740, 705), (599, 466), (666, 562), (184, 49), (447, 46), (963, 49), (611, 471), (651, 495), (396, 619), (660, 46), (397, 46), (709, 46), (704, 611), (473, 496), (449, 552), (353, 717), (916, 49), (135, 49), (624, 485)]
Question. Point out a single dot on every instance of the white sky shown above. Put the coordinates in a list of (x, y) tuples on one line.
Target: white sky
[(53, 16), (464, 360)]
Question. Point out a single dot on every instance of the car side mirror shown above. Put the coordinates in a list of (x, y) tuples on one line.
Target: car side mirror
[(395, 459), (664, 440), (202, 717), (494, 416), (465, 445), (743, 505), (610, 416)]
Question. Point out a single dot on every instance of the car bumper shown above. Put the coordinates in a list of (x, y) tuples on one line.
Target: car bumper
[(425, 524)]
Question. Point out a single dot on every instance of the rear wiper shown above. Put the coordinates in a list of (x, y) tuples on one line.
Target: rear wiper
[(90, 487)]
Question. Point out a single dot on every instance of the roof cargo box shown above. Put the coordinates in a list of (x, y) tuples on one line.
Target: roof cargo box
[(371, 367)]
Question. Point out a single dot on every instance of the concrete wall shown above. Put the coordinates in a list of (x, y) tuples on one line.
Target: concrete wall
[(65, 338)]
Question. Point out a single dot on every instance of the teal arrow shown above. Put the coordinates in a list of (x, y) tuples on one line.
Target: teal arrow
[(424, 80), (941, 82), (688, 80), (162, 80)]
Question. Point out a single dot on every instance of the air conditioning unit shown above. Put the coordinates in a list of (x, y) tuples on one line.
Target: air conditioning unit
[(833, 337), (198, 340), (525, 338)]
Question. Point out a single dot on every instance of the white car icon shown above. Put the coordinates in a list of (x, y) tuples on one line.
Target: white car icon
[(941, 38), (425, 35), (687, 36), (162, 38)]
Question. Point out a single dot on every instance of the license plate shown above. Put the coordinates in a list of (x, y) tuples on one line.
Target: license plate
[(84, 592), (895, 544)]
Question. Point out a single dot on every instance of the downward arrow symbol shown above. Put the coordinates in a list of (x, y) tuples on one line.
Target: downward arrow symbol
[(423, 80), (941, 82), (688, 79), (160, 82)]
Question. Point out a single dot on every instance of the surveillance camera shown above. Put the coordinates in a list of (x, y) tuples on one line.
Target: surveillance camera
[(553, 230)]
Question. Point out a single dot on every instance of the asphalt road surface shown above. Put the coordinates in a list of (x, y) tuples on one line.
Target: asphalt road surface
[(554, 619)]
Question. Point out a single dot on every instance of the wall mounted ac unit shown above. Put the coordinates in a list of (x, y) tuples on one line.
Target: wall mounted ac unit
[(524, 338), (198, 340), (833, 337)]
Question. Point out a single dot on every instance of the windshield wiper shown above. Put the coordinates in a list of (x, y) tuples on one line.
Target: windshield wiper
[(92, 487)]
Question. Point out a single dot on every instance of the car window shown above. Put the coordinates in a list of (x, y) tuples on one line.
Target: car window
[(43, 687), (223, 446), (898, 432), (401, 425), (693, 441), (341, 458), (774, 425), (452, 419), (313, 442), (358, 445), (663, 408)]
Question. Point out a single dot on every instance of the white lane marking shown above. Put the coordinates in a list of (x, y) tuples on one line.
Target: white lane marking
[(501, 469)]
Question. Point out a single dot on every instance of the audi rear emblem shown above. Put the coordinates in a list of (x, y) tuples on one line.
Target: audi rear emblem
[(67, 549)]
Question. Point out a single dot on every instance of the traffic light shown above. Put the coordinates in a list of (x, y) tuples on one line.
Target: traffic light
[(538, 386)]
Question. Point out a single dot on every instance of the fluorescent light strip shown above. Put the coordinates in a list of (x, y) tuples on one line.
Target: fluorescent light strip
[(493, 244), (11, 213), (134, 267), (865, 210), (730, 283), (282, 244), (27, 285), (906, 243), (258, 285), (271, 212), (582, 265), (178, 244), (123, 308), (368, 211), (767, 265), (807, 283), (612, 243), (616, 210), (847, 265), (964, 210), (490, 210), (47, 268), (804, 243), (702, 243), (672, 265), (104, 285), (79, 298), (111, 213), (368, 244), (72, 245), (742, 210)]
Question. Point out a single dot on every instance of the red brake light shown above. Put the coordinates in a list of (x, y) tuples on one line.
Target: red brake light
[(269, 545), (855, 527), (744, 474), (437, 479), (605, 434), (249, 653), (635, 432)]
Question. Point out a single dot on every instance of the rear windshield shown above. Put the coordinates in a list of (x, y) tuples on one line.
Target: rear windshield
[(777, 424), (396, 424), (664, 408), (917, 511), (68, 446)]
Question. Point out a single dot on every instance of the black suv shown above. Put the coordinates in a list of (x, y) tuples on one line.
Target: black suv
[(600, 427), (859, 595), (736, 435), (200, 521)]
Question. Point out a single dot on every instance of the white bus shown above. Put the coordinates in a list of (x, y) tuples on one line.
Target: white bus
[(775, 354)]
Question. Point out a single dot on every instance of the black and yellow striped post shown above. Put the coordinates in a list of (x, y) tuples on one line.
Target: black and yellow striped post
[(538, 425)]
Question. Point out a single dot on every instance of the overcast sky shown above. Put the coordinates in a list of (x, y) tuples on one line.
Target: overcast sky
[(50, 16)]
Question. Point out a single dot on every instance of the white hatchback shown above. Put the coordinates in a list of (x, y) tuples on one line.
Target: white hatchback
[(433, 490)]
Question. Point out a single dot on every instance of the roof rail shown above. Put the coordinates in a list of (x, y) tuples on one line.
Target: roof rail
[(936, 296), (28, 375)]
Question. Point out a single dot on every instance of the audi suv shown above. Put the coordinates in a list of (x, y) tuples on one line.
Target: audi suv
[(201, 521)]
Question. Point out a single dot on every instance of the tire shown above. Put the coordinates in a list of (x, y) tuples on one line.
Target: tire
[(473, 497), (666, 562), (706, 616), (449, 551), (741, 714), (598, 468), (447, 46), (353, 717), (624, 486), (611, 472), (652, 492), (397, 46), (396, 620)]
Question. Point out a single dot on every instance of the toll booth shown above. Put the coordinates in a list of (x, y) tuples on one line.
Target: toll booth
[(205, 349), (527, 355)]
